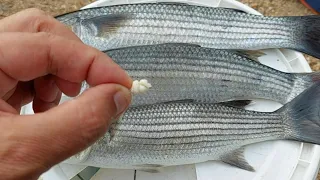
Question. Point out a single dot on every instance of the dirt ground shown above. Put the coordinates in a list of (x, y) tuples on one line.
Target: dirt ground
[(56, 7)]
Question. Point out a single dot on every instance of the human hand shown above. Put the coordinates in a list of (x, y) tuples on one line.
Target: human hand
[(39, 59)]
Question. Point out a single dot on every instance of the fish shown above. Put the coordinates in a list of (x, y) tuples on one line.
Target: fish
[(123, 25), (206, 75), (151, 137)]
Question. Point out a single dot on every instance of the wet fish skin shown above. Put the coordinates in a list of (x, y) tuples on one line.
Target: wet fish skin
[(154, 23), (176, 133), (206, 75)]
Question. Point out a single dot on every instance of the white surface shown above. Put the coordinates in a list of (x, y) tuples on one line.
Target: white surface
[(113, 174), (186, 172), (62, 172), (285, 160)]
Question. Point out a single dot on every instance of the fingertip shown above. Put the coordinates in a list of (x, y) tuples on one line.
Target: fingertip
[(91, 112), (106, 101), (104, 70), (129, 81), (122, 99)]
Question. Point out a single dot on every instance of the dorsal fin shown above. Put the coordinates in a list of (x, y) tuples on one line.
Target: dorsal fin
[(236, 158)]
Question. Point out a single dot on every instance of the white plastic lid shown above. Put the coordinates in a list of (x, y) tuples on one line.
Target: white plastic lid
[(285, 160)]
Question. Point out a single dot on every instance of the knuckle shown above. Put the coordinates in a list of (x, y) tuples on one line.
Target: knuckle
[(41, 24), (49, 38), (38, 19)]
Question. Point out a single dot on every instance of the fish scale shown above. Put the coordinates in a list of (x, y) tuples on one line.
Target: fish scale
[(178, 140), (180, 120), (219, 59), (150, 137), (181, 127), (200, 118), (126, 25), (242, 74), (184, 71)]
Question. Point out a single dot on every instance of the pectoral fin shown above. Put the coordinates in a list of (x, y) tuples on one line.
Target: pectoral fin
[(251, 54), (80, 157), (237, 103), (150, 168), (236, 158), (104, 25)]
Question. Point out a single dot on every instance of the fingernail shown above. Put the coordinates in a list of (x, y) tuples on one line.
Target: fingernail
[(121, 100)]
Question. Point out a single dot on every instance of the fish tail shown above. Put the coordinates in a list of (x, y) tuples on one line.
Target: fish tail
[(308, 35), (302, 116)]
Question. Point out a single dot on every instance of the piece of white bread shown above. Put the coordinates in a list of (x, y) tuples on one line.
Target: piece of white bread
[(141, 86)]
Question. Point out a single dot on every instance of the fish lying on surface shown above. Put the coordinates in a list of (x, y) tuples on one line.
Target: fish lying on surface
[(176, 133), (153, 23), (206, 75)]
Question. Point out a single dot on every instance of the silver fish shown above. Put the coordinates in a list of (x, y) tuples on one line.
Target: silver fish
[(176, 133), (154, 23), (206, 75)]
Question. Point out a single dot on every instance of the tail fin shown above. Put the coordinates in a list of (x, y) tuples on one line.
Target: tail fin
[(302, 115), (310, 35)]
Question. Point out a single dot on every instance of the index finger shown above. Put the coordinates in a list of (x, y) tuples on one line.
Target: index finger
[(26, 56)]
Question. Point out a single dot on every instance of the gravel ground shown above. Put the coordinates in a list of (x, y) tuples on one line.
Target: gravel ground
[(56, 7), (53, 7), (278, 7)]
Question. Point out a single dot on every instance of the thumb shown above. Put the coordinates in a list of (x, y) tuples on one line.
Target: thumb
[(42, 140)]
